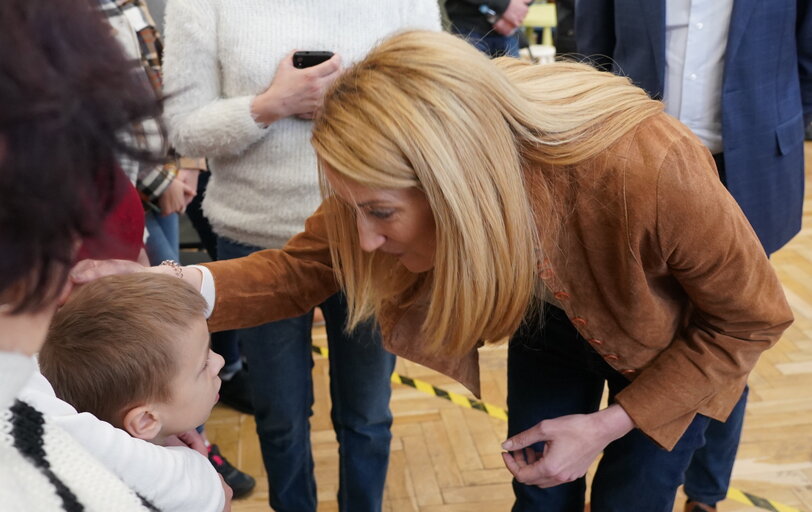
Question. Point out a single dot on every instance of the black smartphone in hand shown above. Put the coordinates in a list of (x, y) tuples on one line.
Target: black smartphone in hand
[(303, 60)]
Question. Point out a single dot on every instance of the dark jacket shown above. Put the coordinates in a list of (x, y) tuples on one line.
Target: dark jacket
[(766, 92)]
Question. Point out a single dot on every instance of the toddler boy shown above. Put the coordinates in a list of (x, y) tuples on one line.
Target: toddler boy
[(133, 350)]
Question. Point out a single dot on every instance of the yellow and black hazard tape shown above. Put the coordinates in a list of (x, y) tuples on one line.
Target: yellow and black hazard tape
[(425, 387), (470, 403), (756, 501), (498, 412)]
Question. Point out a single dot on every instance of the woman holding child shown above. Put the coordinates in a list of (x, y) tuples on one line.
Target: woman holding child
[(557, 205), (67, 95)]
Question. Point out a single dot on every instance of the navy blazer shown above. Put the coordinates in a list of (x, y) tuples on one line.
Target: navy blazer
[(766, 93)]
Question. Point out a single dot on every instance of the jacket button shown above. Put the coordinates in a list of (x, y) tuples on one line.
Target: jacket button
[(561, 295), (578, 321), (611, 357), (596, 341)]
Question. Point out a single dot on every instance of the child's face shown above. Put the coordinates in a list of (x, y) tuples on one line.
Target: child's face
[(196, 385)]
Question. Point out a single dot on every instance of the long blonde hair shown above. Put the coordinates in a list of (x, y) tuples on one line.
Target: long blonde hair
[(426, 110)]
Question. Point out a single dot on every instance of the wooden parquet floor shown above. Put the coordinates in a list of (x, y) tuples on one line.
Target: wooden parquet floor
[(446, 458)]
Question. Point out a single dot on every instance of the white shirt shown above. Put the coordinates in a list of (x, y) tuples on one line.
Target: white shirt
[(695, 43)]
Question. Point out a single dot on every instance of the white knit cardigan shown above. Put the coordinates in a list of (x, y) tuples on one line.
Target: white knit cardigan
[(41, 467), (218, 55)]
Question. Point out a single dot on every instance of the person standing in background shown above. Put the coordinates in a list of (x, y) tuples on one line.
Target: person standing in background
[(490, 26), (565, 27), (235, 97), (165, 188), (739, 74)]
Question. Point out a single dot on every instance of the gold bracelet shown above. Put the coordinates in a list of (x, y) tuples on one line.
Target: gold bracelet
[(175, 266)]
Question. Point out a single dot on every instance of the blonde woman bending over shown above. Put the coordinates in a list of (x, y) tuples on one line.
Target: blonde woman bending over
[(556, 205)]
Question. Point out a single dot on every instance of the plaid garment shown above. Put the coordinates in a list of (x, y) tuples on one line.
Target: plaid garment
[(135, 29)]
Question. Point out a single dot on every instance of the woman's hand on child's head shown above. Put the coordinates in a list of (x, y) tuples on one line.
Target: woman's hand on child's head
[(90, 270)]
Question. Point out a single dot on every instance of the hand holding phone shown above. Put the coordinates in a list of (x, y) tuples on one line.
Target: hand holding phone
[(308, 59), (298, 86)]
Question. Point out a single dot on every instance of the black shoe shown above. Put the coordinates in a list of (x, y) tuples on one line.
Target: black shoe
[(236, 394), (241, 483)]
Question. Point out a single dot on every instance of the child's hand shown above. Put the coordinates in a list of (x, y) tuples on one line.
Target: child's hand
[(190, 439)]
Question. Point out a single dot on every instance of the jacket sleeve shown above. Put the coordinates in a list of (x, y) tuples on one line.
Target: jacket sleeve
[(595, 31), (737, 305), (274, 284), (154, 182)]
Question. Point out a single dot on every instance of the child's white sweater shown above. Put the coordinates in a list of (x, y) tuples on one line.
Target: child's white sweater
[(170, 478)]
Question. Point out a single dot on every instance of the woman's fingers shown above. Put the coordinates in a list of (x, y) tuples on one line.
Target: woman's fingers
[(89, 270), (524, 439)]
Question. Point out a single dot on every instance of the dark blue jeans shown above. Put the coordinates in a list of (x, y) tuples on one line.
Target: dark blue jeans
[(708, 477), (280, 363), (492, 44), (552, 372)]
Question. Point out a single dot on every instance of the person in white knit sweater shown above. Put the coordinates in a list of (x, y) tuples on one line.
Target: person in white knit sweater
[(235, 97)]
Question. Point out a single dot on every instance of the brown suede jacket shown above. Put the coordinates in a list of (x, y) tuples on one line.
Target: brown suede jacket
[(655, 265)]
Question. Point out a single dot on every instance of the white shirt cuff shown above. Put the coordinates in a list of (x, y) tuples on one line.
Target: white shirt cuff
[(206, 288)]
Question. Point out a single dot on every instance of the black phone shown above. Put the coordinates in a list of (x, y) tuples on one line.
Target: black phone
[(303, 60)]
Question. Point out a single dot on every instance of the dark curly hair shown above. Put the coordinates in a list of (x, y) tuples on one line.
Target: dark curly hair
[(67, 93)]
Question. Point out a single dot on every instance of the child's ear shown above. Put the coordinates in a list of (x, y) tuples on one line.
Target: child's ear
[(141, 422)]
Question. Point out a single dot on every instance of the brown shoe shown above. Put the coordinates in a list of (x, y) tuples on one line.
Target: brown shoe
[(695, 506)]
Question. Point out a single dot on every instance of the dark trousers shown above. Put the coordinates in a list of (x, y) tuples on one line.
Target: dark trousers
[(553, 372)]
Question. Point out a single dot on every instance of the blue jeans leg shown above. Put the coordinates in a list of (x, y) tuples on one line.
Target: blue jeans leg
[(360, 387), (163, 242), (492, 44), (544, 384), (226, 343), (553, 371), (636, 474), (280, 362), (280, 359), (708, 476)]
